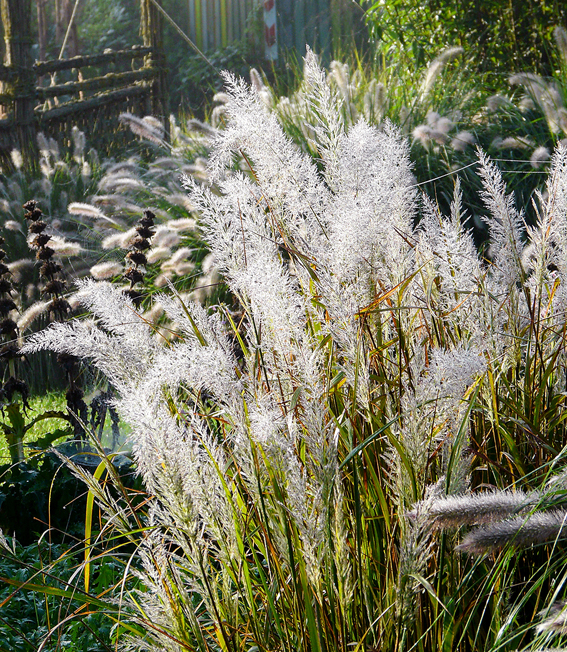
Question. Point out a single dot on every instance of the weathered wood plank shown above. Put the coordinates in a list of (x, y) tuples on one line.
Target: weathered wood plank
[(106, 82), (73, 108), (46, 67), (16, 20)]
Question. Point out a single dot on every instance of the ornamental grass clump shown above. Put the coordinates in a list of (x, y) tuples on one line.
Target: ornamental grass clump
[(298, 460)]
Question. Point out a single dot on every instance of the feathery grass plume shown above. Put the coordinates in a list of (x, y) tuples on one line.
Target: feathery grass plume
[(106, 270), (520, 532), (149, 129), (435, 68), (87, 210), (513, 142), (560, 36), (545, 94), (325, 110), (548, 240), (461, 140), (474, 509), (446, 248), (505, 225), (539, 156), (431, 419)]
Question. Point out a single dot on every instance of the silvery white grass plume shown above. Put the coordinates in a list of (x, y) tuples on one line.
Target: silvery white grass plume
[(243, 247), (374, 102), (461, 140), (183, 224), (368, 227), (155, 254), (202, 127), (121, 239), (120, 182), (446, 248), (148, 128), (286, 178), (121, 348), (548, 239), (539, 156), (79, 143), (164, 236), (325, 106), (88, 210), (554, 618), (64, 247), (435, 68), (544, 93), (519, 532), (106, 270), (181, 255), (432, 413), (495, 102), (505, 226), (415, 551), (560, 36), (513, 142), (32, 313), (12, 225), (17, 159), (474, 509)]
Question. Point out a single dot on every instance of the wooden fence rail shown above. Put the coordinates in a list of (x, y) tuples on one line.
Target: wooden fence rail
[(85, 91)]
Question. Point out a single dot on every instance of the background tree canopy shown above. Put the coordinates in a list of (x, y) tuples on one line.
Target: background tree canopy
[(503, 35)]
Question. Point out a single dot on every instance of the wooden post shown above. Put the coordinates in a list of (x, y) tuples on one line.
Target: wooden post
[(16, 19), (152, 35)]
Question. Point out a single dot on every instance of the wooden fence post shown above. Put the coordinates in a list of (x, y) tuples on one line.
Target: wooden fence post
[(16, 19), (152, 34)]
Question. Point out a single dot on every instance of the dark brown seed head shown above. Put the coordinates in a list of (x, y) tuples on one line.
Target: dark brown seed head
[(55, 286), (141, 243), (60, 305), (34, 215), (148, 219), (133, 275), (135, 296), (13, 385), (9, 351), (45, 253), (37, 227), (30, 205), (6, 305), (144, 232), (8, 327), (137, 257), (49, 268), (40, 240), (4, 269), (5, 286)]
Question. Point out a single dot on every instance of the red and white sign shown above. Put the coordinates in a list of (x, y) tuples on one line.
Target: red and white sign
[(270, 32)]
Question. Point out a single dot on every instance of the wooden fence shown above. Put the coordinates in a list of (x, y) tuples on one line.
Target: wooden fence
[(214, 24), (325, 25), (86, 91)]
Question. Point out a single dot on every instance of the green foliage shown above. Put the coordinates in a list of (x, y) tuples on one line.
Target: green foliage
[(28, 615), (504, 36)]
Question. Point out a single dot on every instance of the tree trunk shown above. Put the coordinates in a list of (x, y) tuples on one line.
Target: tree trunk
[(151, 27), (42, 29), (16, 19)]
